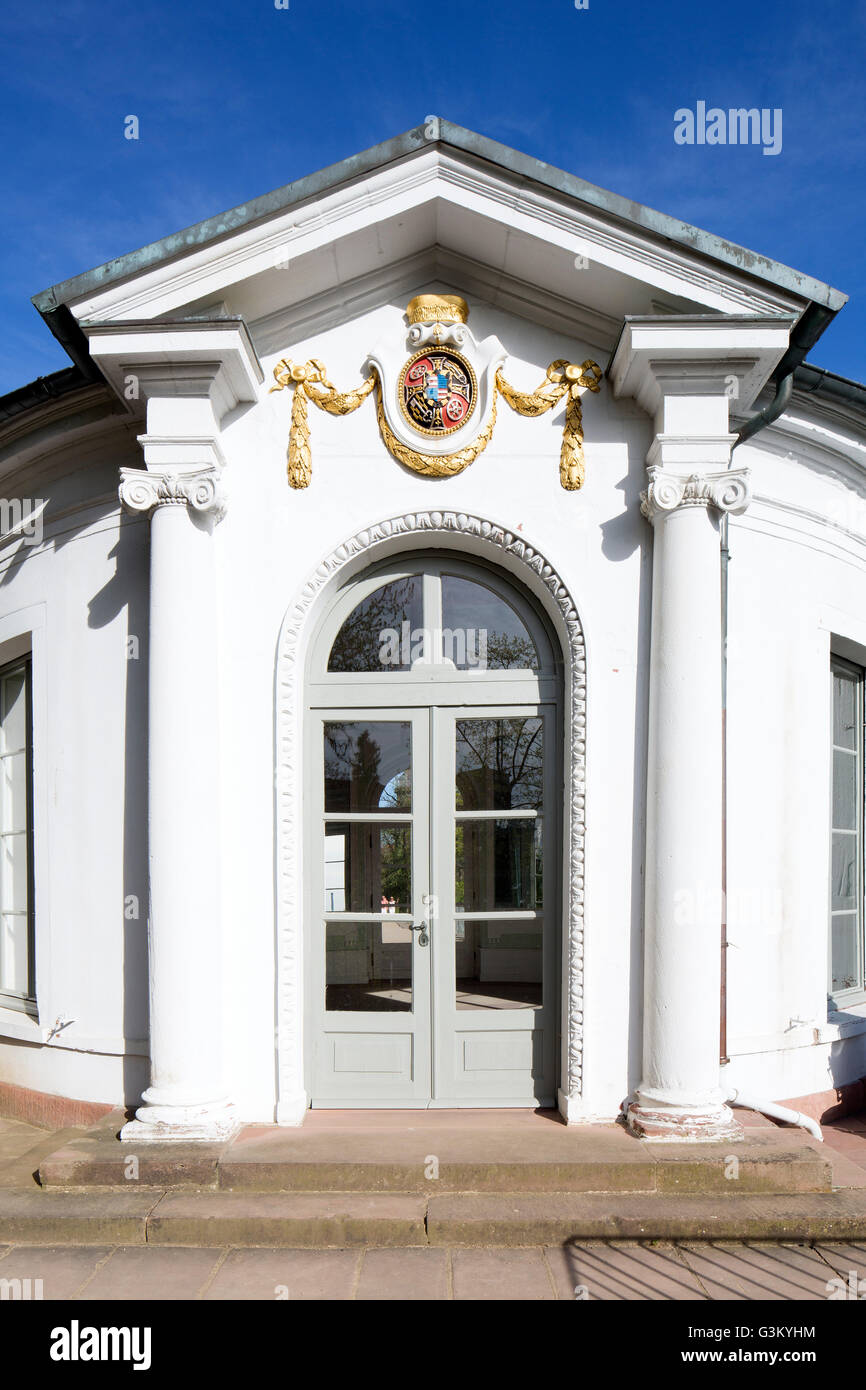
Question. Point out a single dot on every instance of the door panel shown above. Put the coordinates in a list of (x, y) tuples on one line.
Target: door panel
[(494, 938), (369, 973), (433, 974)]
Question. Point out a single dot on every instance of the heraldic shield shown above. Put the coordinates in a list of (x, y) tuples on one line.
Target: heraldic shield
[(438, 399)]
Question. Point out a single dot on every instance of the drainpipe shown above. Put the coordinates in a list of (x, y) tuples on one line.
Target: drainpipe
[(771, 412), (776, 1112)]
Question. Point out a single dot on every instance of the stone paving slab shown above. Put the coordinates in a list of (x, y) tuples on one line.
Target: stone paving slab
[(292, 1275), (845, 1257), (63, 1269), (502, 1274), (599, 1270), (591, 1270), (781, 1272), (403, 1275), (155, 1273), (722, 1274)]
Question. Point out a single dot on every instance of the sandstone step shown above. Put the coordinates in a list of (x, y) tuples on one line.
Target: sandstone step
[(554, 1159), (29, 1216), (319, 1220), (482, 1219), (344, 1220)]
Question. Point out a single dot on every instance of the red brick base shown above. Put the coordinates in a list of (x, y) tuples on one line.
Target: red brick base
[(826, 1106), (51, 1112)]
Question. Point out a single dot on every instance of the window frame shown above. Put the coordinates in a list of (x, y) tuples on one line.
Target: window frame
[(326, 687), (841, 999), (10, 999)]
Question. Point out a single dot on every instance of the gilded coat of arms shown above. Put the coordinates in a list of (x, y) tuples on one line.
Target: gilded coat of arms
[(437, 412), (437, 391)]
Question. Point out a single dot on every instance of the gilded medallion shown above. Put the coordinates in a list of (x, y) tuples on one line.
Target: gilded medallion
[(437, 391)]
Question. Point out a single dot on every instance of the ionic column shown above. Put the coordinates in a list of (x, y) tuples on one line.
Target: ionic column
[(186, 1098), (679, 1096)]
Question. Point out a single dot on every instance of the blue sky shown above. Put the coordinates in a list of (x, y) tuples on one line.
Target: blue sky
[(236, 97)]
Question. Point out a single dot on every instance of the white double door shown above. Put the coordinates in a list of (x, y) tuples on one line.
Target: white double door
[(432, 945)]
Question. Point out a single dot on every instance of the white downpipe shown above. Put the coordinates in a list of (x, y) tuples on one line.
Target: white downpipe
[(776, 1112)]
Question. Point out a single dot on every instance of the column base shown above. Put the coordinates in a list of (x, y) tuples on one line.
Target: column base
[(181, 1124), (667, 1125)]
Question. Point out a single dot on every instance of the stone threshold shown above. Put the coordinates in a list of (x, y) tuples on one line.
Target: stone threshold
[(377, 1155)]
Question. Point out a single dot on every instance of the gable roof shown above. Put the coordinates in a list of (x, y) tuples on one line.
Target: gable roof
[(820, 301)]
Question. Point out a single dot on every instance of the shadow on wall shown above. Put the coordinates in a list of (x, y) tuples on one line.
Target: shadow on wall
[(128, 589), (621, 536)]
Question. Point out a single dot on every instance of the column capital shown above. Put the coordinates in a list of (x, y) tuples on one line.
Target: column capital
[(199, 490), (727, 491)]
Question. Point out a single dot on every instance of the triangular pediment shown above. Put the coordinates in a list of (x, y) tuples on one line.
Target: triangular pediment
[(437, 207)]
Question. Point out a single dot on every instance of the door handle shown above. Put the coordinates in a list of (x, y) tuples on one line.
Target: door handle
[(423, 938)]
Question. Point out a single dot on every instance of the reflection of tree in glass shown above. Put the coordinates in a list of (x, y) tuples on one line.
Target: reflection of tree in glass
[(351, 770), (509, 653), (499, 764), (359, 642), (395, 865)]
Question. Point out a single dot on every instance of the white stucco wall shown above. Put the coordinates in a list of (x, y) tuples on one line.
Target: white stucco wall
[(797, 574), (76, 597), (797, 585)]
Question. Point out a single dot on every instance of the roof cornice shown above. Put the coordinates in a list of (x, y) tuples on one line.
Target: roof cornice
[(442, 133)]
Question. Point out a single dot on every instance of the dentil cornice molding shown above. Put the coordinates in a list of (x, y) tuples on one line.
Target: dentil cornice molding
[(727, 491)]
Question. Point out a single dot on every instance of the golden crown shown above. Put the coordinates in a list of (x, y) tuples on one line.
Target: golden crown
[(437, 308)]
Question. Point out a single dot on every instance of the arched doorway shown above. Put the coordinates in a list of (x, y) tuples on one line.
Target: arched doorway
[(433, 749)]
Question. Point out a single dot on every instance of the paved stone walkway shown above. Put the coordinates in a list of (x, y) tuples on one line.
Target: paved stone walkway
[(590, 1270)]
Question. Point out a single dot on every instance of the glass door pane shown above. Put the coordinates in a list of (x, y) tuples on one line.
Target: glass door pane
[(370, 977), (494, 936)]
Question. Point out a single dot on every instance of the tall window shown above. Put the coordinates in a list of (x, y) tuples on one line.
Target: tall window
[(17, 976), (846, 849)]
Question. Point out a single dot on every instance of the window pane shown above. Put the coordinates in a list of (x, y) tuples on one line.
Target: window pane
[(367, 867), (844, 791), (480, 630), (845, 709), (499, 764), (13, 775), (844, 869), (498, 865), (498, 965), (368, 967), (14, 706), (13, 873), (13, 953), (368, 767), (846, 883), (847, 971), (378, 634)]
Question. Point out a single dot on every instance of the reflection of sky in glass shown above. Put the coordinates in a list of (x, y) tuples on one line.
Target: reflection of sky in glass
[(466, 605)]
